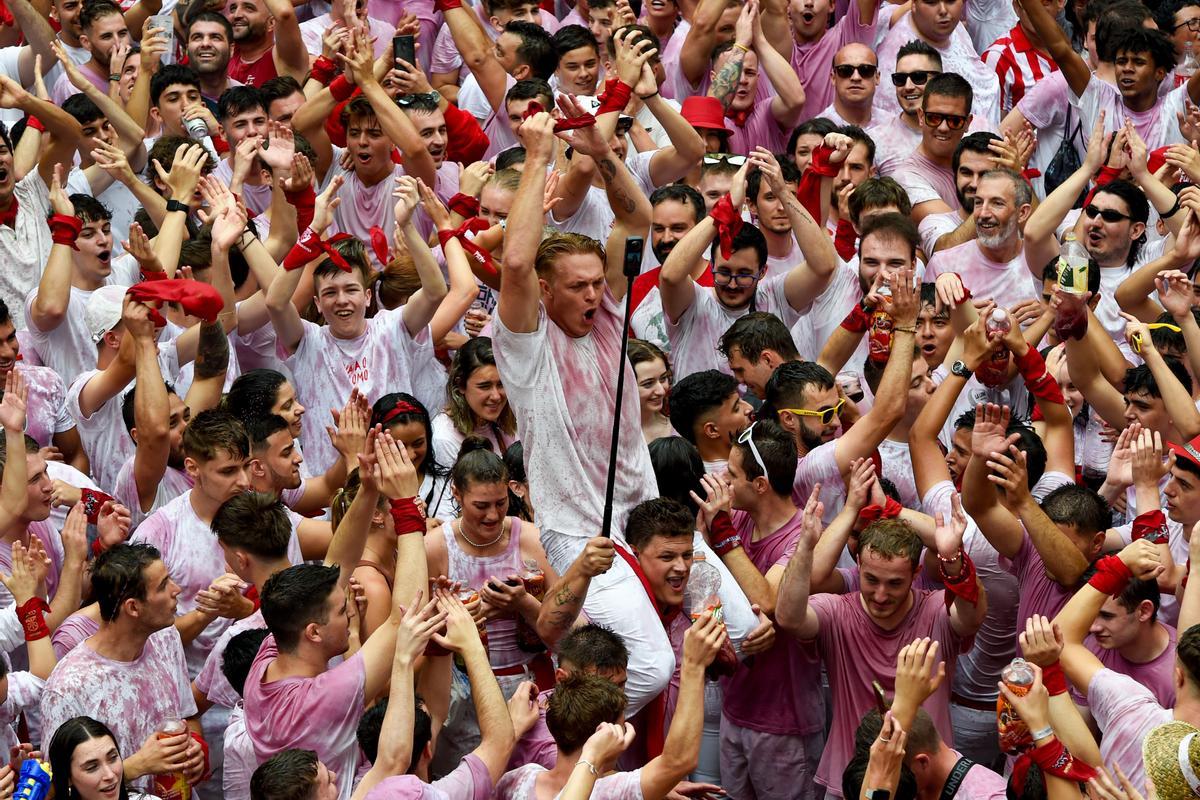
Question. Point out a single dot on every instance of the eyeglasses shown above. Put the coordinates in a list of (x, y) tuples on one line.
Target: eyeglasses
[(723, 277), (846, 70), (826, 414), (1106, 214), (919, 77), (954, 122), (725, 158), (747, 437), (1192, 25)]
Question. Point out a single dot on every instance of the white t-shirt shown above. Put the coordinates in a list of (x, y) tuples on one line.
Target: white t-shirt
[(116, 198), (447, 440), (69, 349), (174, 482), (695, 335), (556, 385), (593, 218), (1158, 126), (1008, 284), (105, 439), (386, 358), (24, 251)]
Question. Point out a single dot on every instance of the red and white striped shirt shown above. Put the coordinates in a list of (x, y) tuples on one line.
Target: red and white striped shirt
[(1018, 65)]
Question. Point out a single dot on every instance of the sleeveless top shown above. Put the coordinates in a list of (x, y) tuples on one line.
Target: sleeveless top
[(474, 571)]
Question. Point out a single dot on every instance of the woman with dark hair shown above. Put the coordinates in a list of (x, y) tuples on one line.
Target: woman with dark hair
[(500, 558), (653, 372), (406, 418), (678, 468), (261, 392), (476, 404), (520, 504), (87, 764)]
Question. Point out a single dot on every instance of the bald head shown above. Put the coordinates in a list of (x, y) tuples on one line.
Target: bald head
[(855, 75)]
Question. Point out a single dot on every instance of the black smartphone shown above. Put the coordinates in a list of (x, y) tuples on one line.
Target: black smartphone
[(404, 48), (634, 249)]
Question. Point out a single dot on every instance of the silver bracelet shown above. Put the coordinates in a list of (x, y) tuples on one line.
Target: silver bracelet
[(589, 765), (1043, 733)]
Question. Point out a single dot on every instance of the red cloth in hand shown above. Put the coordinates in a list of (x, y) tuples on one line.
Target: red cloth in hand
[(310, 247), (465, 140), (845, 240), (614, 98), (889, 510), (472, 225), (1112, 576), (808, 192), (323, 70), (582, 121), (464, 205), (304, 201), (728, 223), (198, 299), (379, 244), (1151, 525), (1054, 759), (93, 500)]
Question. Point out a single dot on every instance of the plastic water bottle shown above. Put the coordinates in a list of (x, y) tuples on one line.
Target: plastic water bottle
[(34, 781), (994, 371), (172, 785), (1014, 733), (701, 594), (1188, 68)]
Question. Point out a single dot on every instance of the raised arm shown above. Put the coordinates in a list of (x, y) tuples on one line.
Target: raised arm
[(728, 75), (1074, 68), (563, 602), (151, 416), (289, 53), (40, 36), (13, 494), (788, 103), (965, 616), (421, 307), (718, 499), (1176, 399), (49, 307), (792, 611), (698, 45), (520, 294), (63, 128), (463, 289), (479, 54)]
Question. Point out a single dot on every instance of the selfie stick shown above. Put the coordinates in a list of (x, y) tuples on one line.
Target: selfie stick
[(634, 247)]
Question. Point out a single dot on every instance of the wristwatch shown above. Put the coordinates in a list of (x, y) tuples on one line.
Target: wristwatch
[(959, 368)]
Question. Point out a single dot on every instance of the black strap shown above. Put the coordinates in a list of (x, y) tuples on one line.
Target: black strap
[(957, 775)]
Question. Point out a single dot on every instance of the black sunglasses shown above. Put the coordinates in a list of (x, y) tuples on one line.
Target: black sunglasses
[(919, 77), (846, 70), (954, 122), (1106, 214)]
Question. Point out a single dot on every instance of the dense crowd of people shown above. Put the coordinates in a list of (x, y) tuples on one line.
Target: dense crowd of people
[(478, 399)]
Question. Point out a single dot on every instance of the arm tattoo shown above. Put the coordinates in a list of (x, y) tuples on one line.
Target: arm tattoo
[(726, 80), (212, 352), (565, 596)]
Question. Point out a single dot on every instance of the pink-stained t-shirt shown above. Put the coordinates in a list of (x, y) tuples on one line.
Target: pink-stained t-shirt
[(470, 780), (812, 60), (670, 56), (981, 783), (105, 440), (1039, 594), (211, 680), (194, 559), (63, 88), (537, 745), (318, 713), (552, 381), (925, 180), (694, 336), (979, 668), (50, 539), (386, 358), (894, 140), (312, 30), (761, 130), (1008, 283), (1158, 125), (239, 761), (46, 405), (1157, 674), (856, 651), (496, 127), (174, 483), (958, 55), (820, 466), (73, 630), (133, 698), (778, 691), (1126, 712), (257, 197), (520, 784)]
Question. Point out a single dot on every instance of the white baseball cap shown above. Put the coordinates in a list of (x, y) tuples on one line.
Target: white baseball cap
[(103, 310)]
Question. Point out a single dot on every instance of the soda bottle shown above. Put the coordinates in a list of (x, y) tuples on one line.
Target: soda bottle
[(879, 339), (1187, 69), (1014, 733), (994, 370), (172, 785), (701, 596), (1073, 264)]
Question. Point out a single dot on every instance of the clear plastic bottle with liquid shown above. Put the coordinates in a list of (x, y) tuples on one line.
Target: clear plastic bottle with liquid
[(993, 371), (1014, 733), (1186, 68), (172, 785)]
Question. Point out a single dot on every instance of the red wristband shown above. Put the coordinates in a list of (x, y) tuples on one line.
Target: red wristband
[(1054, 679), (858, 320), (1037, 379), (464, 205), (1152, 525), (728, 223), (407, 516), (963, 584), (724, 536), (614, 98), (1111, 577), (32, 614), (341, 89), (820, 162), (310, 247), (36, 124), (323, 70), (64, 229), (446, 5)]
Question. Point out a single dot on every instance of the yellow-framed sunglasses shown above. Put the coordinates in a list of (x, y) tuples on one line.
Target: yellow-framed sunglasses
[(826, 414), (1136, 339)]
